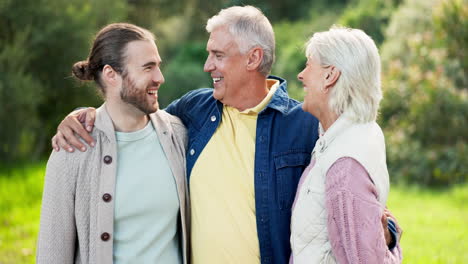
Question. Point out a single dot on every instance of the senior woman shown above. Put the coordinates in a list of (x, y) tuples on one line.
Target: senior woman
[(342, 193)]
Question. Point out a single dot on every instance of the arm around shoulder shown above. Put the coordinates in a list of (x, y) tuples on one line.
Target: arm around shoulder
[(193, 99)]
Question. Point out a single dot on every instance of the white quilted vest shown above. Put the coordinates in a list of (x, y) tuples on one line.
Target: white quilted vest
[(363, 142)]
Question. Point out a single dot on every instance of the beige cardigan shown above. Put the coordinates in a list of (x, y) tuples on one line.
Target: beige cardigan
[(77, 215)]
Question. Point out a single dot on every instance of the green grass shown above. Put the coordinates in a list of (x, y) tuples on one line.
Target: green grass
[(20, 205), (434, 222)]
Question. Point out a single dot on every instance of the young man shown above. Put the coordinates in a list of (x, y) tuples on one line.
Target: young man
[(124, 201)]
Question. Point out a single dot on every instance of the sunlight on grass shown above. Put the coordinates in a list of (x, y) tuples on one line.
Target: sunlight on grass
[(434, 222), (20, 197)]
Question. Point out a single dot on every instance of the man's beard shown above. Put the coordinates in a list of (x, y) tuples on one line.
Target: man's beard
[(136, 96)]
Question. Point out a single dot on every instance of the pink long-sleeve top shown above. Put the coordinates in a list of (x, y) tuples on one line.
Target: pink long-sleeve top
[(354, 212)]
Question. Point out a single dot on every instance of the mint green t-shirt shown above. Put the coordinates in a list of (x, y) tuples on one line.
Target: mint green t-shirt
[(146, 203)]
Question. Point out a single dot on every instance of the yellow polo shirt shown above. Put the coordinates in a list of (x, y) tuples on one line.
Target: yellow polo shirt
[(224, 228)]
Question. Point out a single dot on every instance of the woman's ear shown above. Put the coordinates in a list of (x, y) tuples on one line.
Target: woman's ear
[(332, 76), (255, 57)]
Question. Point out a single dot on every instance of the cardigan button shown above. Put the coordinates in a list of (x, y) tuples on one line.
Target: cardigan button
[(105, 236), (107, 159), (213, 118), (107, 197), (192, 152)]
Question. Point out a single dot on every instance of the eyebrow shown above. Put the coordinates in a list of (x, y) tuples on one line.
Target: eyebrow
[(151, 63), (216, 51)]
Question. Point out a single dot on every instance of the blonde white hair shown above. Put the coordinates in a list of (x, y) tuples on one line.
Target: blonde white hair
[(358, 91), (251, 28)]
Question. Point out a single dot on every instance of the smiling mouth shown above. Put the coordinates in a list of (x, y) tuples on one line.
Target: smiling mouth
[(218, 79), (153, 92)]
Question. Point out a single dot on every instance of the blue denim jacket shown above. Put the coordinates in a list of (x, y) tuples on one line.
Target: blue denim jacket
[(285, 138)]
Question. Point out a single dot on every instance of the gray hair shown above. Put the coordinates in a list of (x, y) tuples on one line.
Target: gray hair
[(251, 28), (358, 90)]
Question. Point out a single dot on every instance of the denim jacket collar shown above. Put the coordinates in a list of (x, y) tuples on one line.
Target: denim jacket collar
[(280, 99)]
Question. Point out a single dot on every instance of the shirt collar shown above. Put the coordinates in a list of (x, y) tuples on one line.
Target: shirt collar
[(280, 99), (272, 87), (104, 122)]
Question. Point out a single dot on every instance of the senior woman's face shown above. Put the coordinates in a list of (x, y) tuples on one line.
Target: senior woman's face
[(313, 81)]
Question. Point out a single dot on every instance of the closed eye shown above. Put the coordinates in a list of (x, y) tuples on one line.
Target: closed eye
[(218, 54)]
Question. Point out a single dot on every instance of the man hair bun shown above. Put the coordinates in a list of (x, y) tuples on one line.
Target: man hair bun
[(82, 71)]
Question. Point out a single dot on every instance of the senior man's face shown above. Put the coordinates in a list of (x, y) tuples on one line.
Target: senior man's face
[(226, 65)]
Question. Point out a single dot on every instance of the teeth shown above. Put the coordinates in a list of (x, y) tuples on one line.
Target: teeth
[(153, 92), (217, 79)]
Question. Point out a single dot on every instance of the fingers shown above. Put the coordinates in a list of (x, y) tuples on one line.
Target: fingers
[(387, 235), (55, 146), (84, 134), (384, 220), (387, 213), (90, 118), (66, 134), (60, 141)]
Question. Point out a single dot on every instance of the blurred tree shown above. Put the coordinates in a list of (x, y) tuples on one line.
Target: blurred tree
[(425, 109), (291, 38), (171, 21), (292, 10), (424, 113), (39, 42), (20, 95), (372, 16), (184, 72), (451, 20)]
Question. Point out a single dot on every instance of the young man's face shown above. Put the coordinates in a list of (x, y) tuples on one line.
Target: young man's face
[(142, 77), (226, 65)]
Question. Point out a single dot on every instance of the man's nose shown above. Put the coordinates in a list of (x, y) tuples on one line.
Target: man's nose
[(209, 66), (158, 77)]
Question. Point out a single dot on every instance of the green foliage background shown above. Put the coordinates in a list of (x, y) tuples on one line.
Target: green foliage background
[(424, 113), (422, 42)]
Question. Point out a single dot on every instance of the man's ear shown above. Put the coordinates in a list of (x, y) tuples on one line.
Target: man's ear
[(110, 76), (332, 76), (255, 57)]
